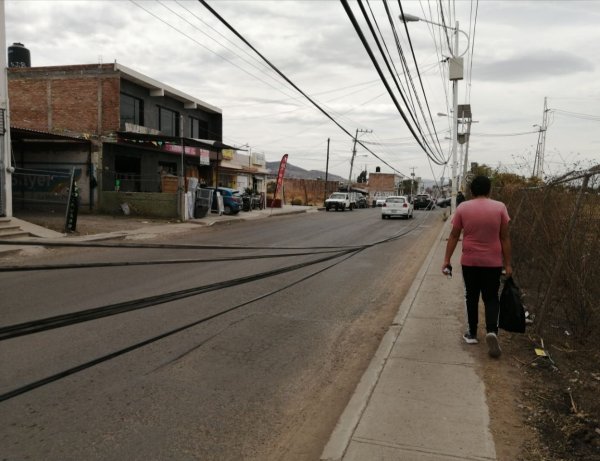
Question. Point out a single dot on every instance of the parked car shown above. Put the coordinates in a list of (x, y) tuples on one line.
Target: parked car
[(361, 202), (443, 202), (232, 200), (341, 201), (397, 205), (423, 202)]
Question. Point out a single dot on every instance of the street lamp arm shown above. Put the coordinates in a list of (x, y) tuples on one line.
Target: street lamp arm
[(412, 18)]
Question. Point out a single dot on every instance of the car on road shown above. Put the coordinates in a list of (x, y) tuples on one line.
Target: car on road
[(361, 202), (423, 202), (380, 201), (397, 206), (443, 202), (232, 200)]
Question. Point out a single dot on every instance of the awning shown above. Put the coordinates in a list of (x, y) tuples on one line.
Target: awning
[(28, 135)]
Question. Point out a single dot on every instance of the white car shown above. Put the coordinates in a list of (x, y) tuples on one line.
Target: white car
[(397, 205), (379, 201)]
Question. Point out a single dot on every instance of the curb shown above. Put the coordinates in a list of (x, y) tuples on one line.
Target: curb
[(340, 437)]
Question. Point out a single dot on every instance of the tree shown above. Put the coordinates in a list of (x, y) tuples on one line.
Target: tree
[(362, 177)]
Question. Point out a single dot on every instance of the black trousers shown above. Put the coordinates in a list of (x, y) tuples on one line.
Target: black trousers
[(484, 281)]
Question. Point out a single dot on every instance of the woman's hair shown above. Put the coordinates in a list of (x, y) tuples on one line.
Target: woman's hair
[(481, 185)]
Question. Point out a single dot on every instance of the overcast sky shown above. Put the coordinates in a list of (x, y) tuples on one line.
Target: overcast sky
[(522, 52)]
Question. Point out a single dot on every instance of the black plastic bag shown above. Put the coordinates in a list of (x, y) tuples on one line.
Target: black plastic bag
[(512, 311)]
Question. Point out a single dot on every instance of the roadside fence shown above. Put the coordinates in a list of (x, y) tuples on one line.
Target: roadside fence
[(555, 232)]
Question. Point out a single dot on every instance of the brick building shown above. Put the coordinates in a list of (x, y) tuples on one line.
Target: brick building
[(138, 128), (383, 184)]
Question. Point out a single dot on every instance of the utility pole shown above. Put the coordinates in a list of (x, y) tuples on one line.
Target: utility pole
[(466, 160), (6, 168), (326, 173), (538, 165), (354, 154), (412, 179)]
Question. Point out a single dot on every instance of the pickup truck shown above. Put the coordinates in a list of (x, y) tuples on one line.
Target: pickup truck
[(341, 201), (424, 202)]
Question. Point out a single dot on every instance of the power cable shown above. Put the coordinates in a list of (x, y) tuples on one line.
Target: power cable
[(232, 29), (59, 321), (379, 71), (46, 267), (418, 75), (65, 373)]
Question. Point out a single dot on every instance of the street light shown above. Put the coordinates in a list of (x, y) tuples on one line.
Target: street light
[(455, 72)]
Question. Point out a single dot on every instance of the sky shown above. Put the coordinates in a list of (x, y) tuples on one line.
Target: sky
[(516, 53)]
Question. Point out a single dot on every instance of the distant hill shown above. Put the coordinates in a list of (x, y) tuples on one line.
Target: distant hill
[(292, 171)]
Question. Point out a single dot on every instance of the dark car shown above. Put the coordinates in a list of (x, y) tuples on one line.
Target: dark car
[(232, 200), (423, 202)]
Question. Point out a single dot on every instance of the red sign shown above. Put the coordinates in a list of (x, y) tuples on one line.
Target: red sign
[(280, 175)]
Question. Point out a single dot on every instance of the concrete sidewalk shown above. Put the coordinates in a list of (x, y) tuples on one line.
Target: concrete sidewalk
[(420, 398)]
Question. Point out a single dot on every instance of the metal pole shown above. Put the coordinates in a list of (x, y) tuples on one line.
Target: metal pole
[(326, 173), (6, 168), (454, 125), (466, 159), (181, 194)]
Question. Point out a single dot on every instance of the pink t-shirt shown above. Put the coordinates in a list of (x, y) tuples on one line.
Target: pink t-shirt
[(481, 219)]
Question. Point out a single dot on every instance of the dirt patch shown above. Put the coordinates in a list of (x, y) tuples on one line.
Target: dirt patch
[(90, 224), (542, 409)]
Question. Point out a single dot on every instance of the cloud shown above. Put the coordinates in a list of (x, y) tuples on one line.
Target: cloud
[(532, 66)]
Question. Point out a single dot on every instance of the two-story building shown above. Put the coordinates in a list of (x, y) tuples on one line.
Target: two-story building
[(145, 136)]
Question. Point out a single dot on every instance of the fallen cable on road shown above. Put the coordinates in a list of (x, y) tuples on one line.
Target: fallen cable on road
[(59, 321), (63, 374), (45, 267)]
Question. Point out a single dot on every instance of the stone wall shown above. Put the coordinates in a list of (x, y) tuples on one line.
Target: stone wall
[(307, 191)]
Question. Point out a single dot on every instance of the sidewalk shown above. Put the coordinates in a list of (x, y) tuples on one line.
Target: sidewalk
[(420, 399), (138, 228)]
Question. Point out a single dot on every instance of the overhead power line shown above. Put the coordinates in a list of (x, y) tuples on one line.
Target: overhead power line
[(290, 82), (383, 79)]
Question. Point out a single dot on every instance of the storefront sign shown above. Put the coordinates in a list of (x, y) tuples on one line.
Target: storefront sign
[(227, 154), (202, 154), (258, 159)]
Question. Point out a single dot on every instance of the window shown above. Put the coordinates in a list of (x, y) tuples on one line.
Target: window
[(168, 122), (132, 110), (127, 173), (198, 129)]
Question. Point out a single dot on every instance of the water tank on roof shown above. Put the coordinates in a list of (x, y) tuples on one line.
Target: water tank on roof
[(18, 56)]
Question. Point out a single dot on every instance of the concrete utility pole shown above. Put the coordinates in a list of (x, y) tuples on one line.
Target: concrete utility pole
[(6, 168), (538, 165), (354, 154), (412, 179), (326, 173)]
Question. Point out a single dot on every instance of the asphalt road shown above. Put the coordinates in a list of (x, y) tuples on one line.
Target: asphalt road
[(267, 380)]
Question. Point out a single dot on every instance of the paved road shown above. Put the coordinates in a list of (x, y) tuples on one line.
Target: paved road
[(265, 381)]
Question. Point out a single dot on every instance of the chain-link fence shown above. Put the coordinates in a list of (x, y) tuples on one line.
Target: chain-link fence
[(556, 252)]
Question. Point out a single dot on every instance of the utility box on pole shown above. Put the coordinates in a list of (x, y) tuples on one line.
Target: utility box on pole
[(455, 68)]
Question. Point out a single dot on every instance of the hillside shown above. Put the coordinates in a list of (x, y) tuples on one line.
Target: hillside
[(292, 171)]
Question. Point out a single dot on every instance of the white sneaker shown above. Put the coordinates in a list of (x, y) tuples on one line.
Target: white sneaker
[(469, 338), (493, 345)]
